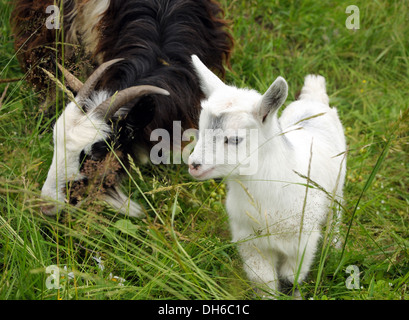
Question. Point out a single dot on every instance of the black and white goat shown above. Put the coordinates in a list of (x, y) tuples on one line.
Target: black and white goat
[(143, 51)]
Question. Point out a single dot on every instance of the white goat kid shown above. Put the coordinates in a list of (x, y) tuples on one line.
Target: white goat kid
[(276, 212)]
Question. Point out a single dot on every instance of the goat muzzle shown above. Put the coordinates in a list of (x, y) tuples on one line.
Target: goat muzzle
[(48, 210)]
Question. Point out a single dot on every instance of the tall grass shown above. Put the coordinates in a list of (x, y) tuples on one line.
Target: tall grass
[(182, 249)]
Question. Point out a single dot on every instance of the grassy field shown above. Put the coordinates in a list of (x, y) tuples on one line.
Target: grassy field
[(182, 250)]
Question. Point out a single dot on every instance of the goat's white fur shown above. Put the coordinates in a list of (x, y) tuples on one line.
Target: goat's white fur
[(274, 218), (85, 26), (75, 131)]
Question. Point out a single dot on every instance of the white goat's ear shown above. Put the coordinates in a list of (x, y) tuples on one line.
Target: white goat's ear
[(209, 82), (274, 98)]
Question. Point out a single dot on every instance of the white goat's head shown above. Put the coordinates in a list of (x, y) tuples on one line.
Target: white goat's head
[(233, 124), (81, 127)]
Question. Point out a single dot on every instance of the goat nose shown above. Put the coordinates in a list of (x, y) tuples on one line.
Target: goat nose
[(48, 210), (194, 166)]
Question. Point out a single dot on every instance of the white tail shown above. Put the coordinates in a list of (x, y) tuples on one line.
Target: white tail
[(314, 89)]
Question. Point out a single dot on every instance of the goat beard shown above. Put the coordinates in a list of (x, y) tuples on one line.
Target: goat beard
[(101, 176)]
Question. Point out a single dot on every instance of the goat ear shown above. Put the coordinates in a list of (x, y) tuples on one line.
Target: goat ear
[(274, 98), (209, 82)]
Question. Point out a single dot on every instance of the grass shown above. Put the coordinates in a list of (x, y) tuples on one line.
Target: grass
[(182, 249)]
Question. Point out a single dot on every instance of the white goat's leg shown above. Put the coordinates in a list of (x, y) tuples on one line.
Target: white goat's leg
[(259, 267), (119, 201), (296, 265)]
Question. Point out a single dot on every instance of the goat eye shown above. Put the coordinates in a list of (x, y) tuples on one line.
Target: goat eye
[(233, 140)]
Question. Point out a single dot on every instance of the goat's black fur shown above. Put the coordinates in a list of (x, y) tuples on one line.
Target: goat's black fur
[(157, 40)]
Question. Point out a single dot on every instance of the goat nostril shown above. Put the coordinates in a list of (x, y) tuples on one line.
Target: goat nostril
[(195, 165), (47, 209)]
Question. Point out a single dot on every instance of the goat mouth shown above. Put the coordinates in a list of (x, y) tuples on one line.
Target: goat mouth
[(199, 175), (48, 210)]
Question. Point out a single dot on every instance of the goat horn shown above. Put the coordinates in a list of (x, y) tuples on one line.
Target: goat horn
[(110, 106), (92, 81), (72, 81)]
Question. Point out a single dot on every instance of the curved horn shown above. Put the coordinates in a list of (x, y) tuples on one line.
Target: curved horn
[(72, 81), (92, 81), (110, 106)]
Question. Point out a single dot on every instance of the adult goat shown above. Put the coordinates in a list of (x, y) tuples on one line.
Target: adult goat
[(143, 51)]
